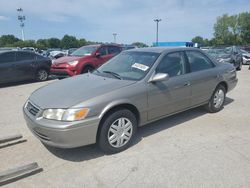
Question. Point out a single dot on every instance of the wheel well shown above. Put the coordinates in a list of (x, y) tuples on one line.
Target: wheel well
[(85, 66), (130, 107), (224, 84), (43, 68)]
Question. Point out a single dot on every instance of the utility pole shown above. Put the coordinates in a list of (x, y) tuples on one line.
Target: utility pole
[(21, 18), (157, 23), (114, 34)]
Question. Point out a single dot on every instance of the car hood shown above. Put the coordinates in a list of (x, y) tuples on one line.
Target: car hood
[(72, 91), (66, 59)]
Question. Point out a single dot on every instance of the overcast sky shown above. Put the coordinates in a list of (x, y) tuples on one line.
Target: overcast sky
[(132, 20)]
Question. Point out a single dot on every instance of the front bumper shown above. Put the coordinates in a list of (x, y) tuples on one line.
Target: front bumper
[(246, 61), (63, 71), (63, 134)]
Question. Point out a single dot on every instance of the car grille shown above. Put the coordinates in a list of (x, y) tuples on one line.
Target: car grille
[(32, 109)]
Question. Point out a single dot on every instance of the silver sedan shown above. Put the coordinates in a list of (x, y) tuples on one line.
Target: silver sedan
[(135, 88)]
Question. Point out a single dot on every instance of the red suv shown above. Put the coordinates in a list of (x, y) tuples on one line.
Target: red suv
[(84, 59)]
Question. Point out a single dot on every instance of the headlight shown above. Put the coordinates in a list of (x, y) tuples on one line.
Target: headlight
[(66, 114), (73, 63), (225, 60)]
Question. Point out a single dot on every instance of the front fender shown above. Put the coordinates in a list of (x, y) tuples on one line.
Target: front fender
[(114, 104)]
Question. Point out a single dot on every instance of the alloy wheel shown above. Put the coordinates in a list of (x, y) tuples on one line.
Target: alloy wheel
[(42, 75), (219, 98), (120, 132)]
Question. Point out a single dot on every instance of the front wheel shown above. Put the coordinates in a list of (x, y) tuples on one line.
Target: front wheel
[(217, 100), (87, 69), (42, 75), (117, 131)]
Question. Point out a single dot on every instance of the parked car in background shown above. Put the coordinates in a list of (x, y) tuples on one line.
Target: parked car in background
[(8, 49), (133, 89), (29, 49), (205, 49), (246, 48), (245, 57), (84, 59), (227, 54), (71, 50), (57, 54), (128, 47), (46, 53), (23, 65)]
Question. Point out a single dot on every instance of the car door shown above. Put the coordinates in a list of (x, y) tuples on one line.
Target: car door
[(103, 56), (25, 65), (174, 94), (203, 77), (7, 71)]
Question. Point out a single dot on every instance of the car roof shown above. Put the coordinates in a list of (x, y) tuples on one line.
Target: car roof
[(5, 51), (161, 49), (99, 45)]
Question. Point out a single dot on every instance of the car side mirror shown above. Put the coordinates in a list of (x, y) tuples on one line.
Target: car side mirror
[(98, 55), (158, 77)]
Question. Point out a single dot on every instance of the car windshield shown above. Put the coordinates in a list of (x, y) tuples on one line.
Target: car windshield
[(86, 50), (129, 65), (220, 51)]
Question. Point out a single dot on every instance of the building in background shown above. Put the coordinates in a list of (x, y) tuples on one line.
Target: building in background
[(177, 44)]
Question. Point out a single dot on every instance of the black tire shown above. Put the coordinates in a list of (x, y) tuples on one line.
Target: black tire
[(212, 106), (87, 69), (105, 132), (42, 75)]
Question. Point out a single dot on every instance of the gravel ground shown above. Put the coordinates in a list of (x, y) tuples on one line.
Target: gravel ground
[(191, 149)]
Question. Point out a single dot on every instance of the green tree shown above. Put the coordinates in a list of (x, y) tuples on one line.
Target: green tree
[(54, 43), (139, 44), (26, 43), (221, 30), (69, 42), (82, 42), (8, 40), (199, 40), (42, 43), (244, 25)]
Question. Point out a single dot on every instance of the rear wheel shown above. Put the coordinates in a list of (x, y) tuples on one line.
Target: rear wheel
[(42, 75), (87, 69), (217, 100), (117, 131)]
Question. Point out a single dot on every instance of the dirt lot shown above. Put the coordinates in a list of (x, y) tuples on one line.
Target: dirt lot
[(191, 149)]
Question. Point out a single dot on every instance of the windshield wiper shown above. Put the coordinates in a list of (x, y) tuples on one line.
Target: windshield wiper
[(114, 74)]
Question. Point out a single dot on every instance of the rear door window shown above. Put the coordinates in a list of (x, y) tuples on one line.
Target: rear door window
[(7, 57), (114, 50), (103, 51), (25, 56), (198, 61)]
